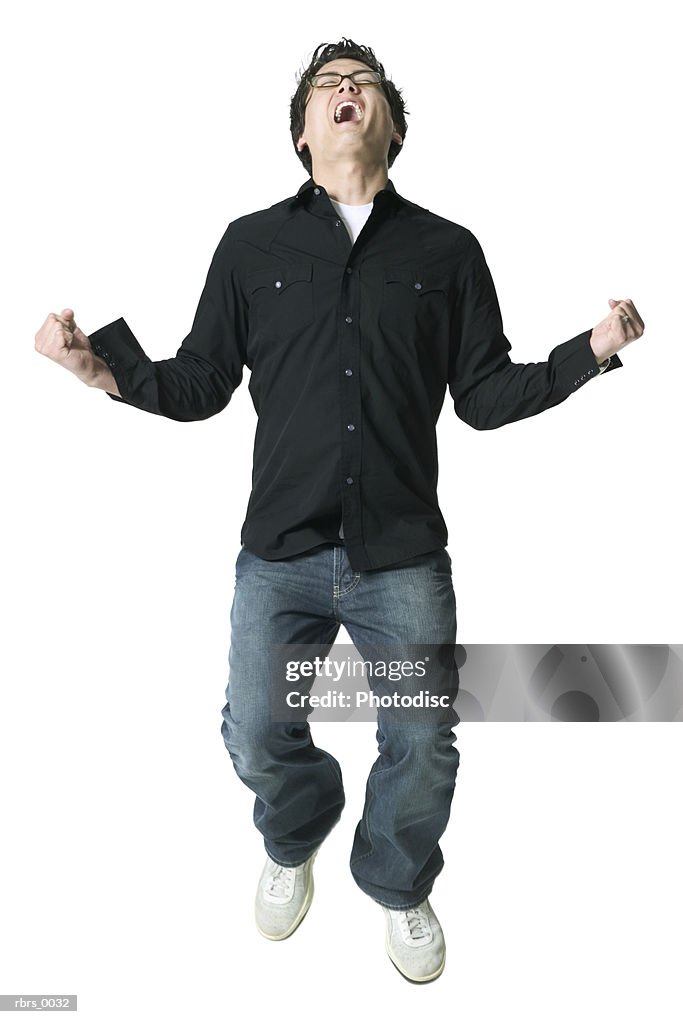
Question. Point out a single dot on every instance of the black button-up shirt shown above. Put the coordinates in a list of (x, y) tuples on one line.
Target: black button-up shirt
[(350, 348)]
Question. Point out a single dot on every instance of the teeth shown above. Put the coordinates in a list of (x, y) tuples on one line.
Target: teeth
[(347, 103)]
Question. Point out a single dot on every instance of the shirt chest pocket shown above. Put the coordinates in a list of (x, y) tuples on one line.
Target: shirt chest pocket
[(413, 302), (280, 299)]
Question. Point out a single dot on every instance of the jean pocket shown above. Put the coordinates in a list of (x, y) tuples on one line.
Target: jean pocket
[(241, 561), (440, 563)]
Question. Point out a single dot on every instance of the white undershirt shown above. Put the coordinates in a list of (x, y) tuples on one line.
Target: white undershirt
[(354, 217)]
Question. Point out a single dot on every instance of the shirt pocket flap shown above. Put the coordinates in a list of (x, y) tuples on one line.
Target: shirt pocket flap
[(278, 279), (421, 282)]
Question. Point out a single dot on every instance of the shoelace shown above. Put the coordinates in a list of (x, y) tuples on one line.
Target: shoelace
[(281, 881), (415, 923)]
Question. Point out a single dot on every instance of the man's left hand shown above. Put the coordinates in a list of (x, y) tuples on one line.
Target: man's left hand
[(622, 326)]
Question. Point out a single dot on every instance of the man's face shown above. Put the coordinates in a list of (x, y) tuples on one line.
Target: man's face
[(365, 129)]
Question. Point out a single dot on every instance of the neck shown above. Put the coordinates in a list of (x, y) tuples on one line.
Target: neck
[(350, 181)]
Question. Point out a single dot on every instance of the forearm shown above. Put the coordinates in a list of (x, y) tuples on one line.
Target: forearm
[(186, 387), (502, 392), (199, 380), (490, 390)]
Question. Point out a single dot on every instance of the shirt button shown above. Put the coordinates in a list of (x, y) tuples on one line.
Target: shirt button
[(349, 319), (348, 372), (349, 479), (349, 270), (278, 284), (337, 223), (418, 285), (350, 427), (316, 191)]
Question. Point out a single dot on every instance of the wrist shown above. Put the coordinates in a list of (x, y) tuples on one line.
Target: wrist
[(601, 355), (99, 375)]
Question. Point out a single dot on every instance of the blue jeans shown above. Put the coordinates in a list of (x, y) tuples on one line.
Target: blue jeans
[(299, 790)]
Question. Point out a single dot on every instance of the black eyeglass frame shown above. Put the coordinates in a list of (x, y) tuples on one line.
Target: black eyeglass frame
[(351, 77)]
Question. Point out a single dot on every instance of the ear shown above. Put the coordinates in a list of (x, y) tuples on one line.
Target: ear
[(301, 143), (396, 137)]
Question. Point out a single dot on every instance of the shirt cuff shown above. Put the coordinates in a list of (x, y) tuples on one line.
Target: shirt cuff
[(576, 362), (118, 346)]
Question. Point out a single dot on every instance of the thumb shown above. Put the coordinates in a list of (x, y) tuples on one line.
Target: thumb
[(68, 314), (613, 303)]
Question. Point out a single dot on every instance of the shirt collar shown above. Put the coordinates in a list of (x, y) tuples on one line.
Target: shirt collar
[(309, 185)]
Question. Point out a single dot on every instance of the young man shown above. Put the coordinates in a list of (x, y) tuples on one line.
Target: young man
[(354, 309)]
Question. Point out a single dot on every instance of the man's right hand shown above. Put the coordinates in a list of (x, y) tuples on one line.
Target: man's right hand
[(61, 340)]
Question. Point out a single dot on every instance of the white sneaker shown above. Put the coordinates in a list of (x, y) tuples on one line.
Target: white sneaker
[(283, 897), (415, 942)]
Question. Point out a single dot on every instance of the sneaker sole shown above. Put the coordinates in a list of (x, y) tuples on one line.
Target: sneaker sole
[(409, 977), (308, 899)]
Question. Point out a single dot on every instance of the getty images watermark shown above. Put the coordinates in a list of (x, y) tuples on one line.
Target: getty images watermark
[(437, 683), (417, 682)]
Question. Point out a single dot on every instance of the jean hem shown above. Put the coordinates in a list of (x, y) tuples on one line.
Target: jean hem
[(282, 863), (415, 902)]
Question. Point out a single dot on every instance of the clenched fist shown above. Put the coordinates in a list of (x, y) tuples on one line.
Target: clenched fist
[(62, 340), (623, 325)]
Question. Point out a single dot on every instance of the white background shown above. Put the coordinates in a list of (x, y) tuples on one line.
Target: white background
[(133, 134)]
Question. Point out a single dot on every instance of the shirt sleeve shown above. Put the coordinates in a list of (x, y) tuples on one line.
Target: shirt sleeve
[(199, 380), (488, 389)]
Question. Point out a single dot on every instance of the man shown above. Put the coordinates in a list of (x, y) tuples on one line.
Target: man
[(354, 309)]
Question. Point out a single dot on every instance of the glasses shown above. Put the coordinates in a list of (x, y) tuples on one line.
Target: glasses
[(329, 80)]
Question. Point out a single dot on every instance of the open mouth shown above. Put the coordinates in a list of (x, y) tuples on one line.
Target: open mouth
[(348, 110)]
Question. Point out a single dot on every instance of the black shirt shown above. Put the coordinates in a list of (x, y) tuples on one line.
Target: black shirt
[(350, 348)]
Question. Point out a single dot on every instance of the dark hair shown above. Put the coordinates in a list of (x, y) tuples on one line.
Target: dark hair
[(330, 51)]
